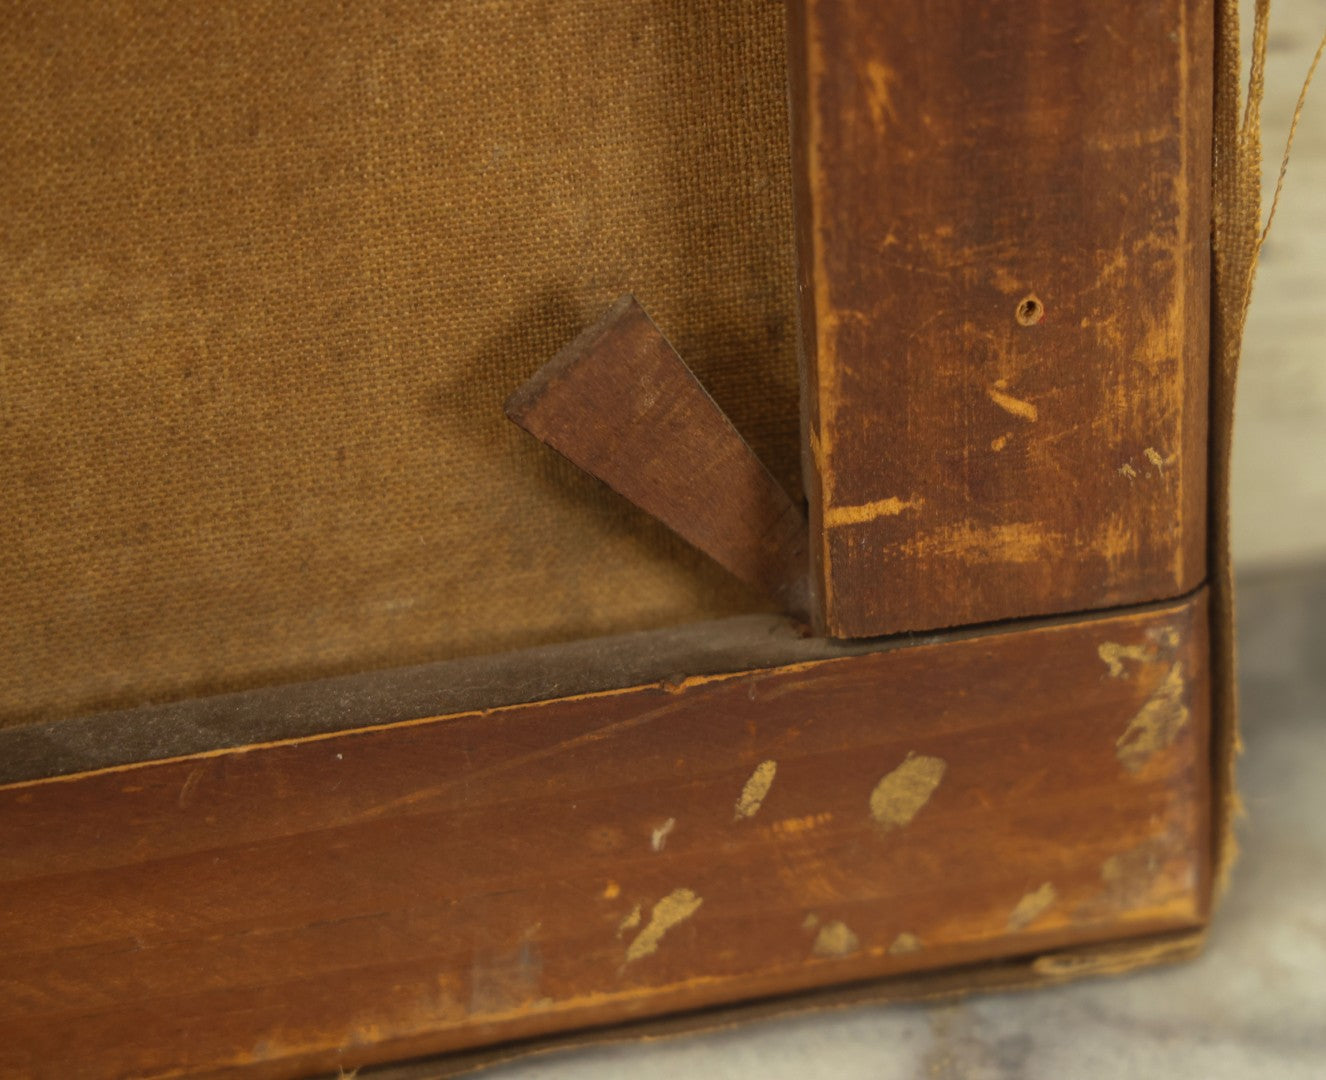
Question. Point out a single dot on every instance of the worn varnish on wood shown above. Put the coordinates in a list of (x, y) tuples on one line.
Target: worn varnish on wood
[(1004, 211), (620, 403), (436, 885)]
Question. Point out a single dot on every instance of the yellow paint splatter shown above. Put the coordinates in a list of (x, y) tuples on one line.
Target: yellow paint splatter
[(1032, 906), (1165, 636), (1155, 459), (905, 943), (611, 891), (1006, 401), (835, 939), (1115, 654), (899, 796), (678, 906), (998, 443), (630, 922), (1127, 470), (757, 787), (1156, 725), (837, 516)]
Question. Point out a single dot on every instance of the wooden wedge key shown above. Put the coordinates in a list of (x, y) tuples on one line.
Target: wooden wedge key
[(620, 403)]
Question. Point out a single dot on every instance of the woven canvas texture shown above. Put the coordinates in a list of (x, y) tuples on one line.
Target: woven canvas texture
[(269, 271)]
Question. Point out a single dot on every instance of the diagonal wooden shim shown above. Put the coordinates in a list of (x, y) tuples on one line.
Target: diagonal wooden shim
[(622, 405)]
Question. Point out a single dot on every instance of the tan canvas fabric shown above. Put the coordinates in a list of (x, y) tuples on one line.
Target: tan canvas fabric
[(268, 273)]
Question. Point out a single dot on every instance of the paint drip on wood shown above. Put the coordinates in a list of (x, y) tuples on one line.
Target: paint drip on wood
[(1114, 654), (900, 795), (630, 922), (659, 836), (678, 906), (905, 943), (835, 939), (757, 787), (1156, 725), (1032, 906)]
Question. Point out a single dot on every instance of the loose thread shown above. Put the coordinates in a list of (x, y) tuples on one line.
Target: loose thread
[(1289, 142)]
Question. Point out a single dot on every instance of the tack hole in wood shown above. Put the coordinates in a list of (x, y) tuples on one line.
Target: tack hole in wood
[(1030, 311)]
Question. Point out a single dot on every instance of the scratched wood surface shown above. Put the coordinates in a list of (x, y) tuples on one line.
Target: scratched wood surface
[(621, 404), (1003, 217), (430, 886)]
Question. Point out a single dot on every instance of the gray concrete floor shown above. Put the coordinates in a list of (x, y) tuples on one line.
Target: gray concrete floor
[(1254, 1005)]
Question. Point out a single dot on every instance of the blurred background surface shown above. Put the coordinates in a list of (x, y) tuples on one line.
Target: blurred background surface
[(1280, 433)]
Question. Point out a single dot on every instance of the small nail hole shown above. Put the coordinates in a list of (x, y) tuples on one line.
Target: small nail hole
[(1030, 311)]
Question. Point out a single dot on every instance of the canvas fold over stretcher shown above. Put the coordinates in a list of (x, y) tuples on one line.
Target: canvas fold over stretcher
[(868, 637)]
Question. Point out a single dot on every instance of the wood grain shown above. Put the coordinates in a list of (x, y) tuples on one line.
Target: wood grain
[(1003, 219), (436, 885), (621, 404)]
